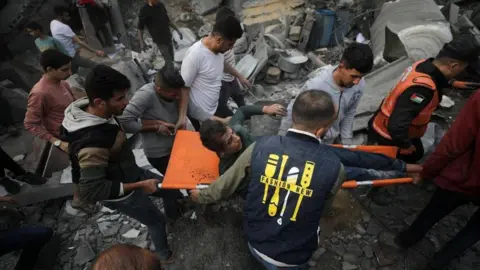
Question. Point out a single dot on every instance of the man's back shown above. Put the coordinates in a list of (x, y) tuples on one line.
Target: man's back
[(291, 178), (64, 34)]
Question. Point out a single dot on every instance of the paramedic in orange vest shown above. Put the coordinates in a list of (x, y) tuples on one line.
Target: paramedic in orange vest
[(404, 114)]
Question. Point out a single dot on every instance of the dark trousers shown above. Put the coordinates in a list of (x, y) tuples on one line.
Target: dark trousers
[(229, 90), (6, 118), (170, 197), (30, 240), (195, 123), (443, 203), (6, 162), (166, 49), (103, 35), (411, 158)]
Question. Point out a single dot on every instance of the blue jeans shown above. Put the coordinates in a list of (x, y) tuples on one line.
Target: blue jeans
[(364, 166), (270, 266), (29, 239)]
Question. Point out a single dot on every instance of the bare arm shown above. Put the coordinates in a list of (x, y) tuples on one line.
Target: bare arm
[(78, 41)]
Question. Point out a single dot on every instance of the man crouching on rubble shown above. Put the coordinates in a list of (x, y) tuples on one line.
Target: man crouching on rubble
[(288, 182), (103, 163)]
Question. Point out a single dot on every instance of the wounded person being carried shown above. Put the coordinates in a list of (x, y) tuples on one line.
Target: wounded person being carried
[(230, 141)]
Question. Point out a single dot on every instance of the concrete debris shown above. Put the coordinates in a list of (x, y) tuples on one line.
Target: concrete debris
[(273, 75), (131, 234), (432, 137), (205, 30), (188, 37), (413, 28), (84, 254), (295, 32), (263, 12), (447, 102), (247, 65), (105, 209), (241, 45), (203, 7), (131, 70), (348, 266)]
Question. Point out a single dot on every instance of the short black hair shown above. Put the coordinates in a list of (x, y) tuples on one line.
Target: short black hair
[(358, 56), (228, 27), (210, 133), (223, 13), (53, 58), (103, 81), (34, 26), (313, 108), (169, 77), (60, 10)]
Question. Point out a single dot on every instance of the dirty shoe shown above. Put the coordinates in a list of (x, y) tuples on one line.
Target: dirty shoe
[(31, 179), (10, 186)]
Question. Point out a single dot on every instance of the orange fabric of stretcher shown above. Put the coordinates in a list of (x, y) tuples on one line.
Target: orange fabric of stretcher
[(192, 164)]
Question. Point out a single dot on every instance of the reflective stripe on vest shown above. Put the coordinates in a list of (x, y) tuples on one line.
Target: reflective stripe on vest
[(409, 78)]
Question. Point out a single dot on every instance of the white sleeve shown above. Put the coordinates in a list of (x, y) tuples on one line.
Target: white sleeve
[(190, 68), (67, 31)]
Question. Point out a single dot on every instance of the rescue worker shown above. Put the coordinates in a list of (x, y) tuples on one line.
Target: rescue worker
[(404, 114), (288, 181)]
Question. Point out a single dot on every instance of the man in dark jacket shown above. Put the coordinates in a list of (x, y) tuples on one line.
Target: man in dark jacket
[(454, 168), (288, 180), (103, 163), (404, 114)]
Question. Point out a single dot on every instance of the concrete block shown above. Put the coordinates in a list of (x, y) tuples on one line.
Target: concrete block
[(273, 75), (417, 29), (295, 32), (203, 7)]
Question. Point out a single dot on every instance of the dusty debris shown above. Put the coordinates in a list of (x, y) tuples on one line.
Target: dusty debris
[(447, 102), (413, 28)]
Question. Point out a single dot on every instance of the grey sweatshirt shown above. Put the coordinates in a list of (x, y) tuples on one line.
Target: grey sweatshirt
[(348, 104), (147, 105)]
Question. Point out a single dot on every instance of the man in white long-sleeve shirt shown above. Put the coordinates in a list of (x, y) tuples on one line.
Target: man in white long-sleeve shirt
[(202, 70), (345, 84)]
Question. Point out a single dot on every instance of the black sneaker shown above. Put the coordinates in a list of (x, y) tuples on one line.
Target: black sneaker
[(31, 179), (11, 186)]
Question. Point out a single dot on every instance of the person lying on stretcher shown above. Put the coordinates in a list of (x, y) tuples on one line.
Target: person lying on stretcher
[(230, 141)]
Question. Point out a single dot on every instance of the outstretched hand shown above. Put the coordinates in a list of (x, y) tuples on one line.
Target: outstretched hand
[(274, 110)]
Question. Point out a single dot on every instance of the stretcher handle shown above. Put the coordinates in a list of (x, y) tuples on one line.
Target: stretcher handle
[(377, 183), (346, 185)]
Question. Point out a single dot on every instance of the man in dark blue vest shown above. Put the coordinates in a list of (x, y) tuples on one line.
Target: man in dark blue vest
[(288, 179)]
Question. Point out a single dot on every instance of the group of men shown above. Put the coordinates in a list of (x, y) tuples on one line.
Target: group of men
[(286, 181)]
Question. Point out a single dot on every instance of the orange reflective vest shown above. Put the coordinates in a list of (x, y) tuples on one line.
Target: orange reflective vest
[(409, 78)]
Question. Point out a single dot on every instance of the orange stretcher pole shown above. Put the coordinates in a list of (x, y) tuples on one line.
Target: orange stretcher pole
[(377, 183)]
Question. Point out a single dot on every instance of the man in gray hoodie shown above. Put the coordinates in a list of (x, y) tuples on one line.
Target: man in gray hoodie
[(345, 84), (103, 164)]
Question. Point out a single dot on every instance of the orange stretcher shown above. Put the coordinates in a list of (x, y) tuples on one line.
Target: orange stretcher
[(193, 166)]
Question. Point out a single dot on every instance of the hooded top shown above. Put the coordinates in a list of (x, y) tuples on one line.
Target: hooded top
[(101, 157), (346, 100)]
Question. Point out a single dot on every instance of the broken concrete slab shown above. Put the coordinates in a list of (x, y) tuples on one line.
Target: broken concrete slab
[(268, 11), (131, 70), (415, 28), (203, 7)]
